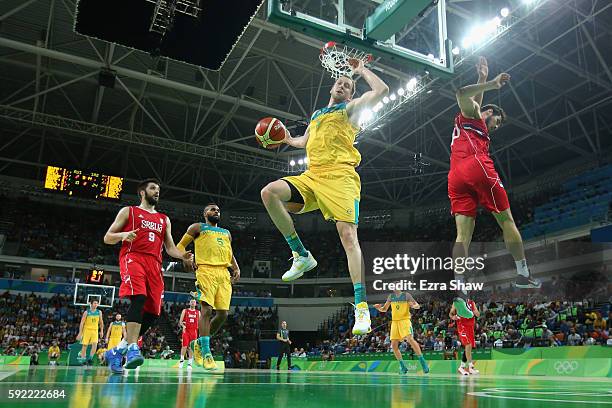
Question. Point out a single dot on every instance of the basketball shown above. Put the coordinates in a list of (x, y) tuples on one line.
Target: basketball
[(270, 132)]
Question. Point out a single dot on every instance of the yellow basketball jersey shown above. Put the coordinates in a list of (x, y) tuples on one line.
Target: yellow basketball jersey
[(331, 138), (400, 307), (92, 320), (213, 246), (116, 330)]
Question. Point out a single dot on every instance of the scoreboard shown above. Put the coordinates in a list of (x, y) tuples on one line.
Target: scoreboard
[(78, 183), (95, 276)]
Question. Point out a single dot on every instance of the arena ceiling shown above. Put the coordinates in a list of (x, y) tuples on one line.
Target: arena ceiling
[(194, 128)]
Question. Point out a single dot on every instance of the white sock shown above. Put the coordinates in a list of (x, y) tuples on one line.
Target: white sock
[(122, 345), (190, 360), (521, 268)]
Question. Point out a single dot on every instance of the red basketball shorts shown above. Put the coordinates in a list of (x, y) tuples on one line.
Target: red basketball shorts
[(189, 336), (465, 333), (473, 181), (142, 275)]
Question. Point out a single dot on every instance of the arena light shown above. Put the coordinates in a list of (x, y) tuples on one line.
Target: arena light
[(505, 12), (306, 160), (392, 97), (496, 21), (400, 91), (366, 116), (430, 56), (456, 51), (300, 162), (292, 163), (411, 84), (386, 99)]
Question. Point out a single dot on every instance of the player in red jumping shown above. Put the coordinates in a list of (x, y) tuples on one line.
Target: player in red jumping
[(473, 180), (189, 323), (142, 232), (465, 332)]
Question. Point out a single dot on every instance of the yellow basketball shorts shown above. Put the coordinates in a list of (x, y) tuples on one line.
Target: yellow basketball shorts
[(113, 342), (335, 192), (401, 329), (90, 336), (213, 286)]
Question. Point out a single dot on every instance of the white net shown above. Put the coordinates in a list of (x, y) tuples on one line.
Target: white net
[(335, 59)]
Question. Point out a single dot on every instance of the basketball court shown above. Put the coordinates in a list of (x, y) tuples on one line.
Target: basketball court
[(175, 89), (263, 388)]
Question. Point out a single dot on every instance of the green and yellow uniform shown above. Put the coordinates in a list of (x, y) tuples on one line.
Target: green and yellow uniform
[(91, 327), (213, 255), (116, 334), (331, 183), (401, 326)]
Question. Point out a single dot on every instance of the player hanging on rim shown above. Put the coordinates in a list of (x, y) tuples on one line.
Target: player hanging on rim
[(92, 323), (473, 180), (189, 325), (213, 255), (331, 183), (142, 231), (465, 332), (401, 326)]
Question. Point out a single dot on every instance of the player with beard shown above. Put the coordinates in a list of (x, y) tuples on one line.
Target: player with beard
[(143, 232), (213, 257), (331, 183), (473, 180)]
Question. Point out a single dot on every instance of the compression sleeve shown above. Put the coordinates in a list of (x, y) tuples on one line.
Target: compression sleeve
[(185, 241)]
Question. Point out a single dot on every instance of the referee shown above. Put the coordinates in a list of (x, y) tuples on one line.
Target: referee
[(283, 337)]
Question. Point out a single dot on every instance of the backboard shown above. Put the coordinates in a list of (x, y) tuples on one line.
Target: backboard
[(85, 293), (406, 31)]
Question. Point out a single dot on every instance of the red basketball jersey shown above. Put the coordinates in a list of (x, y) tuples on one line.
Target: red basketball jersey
[(470, 137), (150, 235), (191, 319), (465, 322)]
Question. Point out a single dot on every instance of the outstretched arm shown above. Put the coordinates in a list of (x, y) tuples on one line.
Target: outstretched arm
[(171, 249), (235, 268), (466, 96), (297, 141), (378, 91), (453, 313), (192, 232), (383, 308), (476, 311), (483, 72), (114, 233)]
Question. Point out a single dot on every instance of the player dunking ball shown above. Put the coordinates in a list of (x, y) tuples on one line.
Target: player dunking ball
[(331, 183), (189, 324), (142, 231), (116, 332), (401, 326), (92, 323), (213, 255), (465, 332), (473, 180)]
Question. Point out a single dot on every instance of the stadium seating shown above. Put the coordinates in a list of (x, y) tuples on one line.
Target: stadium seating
[(585, 199)]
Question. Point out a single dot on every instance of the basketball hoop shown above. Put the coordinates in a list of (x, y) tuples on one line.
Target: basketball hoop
[(335, 58)]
